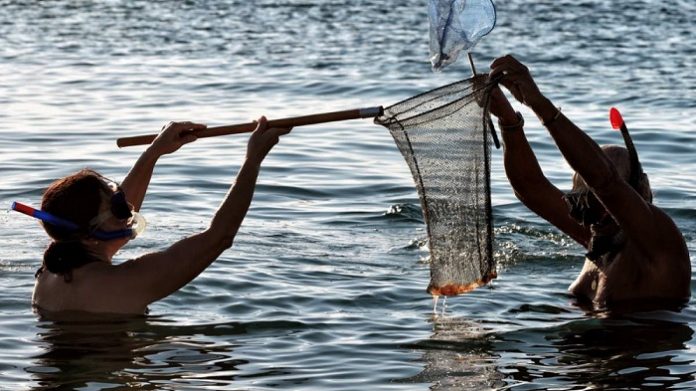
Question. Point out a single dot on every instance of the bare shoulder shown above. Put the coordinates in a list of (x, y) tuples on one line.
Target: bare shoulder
[(670, 265), (671, 239), (95, 287)]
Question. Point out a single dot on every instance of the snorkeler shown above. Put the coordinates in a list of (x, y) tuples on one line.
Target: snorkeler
[(90, 218), (635, 251)]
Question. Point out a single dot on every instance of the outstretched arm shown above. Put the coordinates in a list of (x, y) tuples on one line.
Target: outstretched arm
[(156, 275), (525, 175), (172, 137), (637, 218)]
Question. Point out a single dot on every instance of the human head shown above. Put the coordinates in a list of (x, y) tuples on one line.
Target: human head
[(582, 203), (85, 199), (77, 198), (620, 157)]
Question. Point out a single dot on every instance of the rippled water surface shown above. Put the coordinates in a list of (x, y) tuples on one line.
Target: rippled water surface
[(325, 285)]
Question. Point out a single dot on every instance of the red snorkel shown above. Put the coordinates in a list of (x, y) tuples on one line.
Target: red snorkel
[(617, 122)]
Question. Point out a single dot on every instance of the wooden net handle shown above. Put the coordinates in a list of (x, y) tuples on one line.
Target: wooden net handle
[(311, 119)]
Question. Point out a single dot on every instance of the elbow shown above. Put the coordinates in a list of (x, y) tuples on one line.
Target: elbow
[(532, 191), (224, 242), (519, 195), (219, 239), (526, 198), (223, 229), (521, 191)]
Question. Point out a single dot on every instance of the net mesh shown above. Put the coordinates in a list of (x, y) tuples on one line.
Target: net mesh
[(444, 135)]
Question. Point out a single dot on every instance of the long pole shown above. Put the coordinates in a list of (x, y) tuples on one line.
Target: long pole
[(368, 112)]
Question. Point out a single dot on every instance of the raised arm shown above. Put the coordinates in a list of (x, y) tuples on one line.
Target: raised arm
[(525, 175), (156, 275), (637, 218), (172, 137)]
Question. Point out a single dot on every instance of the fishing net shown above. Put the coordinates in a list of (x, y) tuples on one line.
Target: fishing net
[(457, 25), (444, 135)]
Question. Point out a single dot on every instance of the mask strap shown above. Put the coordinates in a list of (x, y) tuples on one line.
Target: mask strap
[(110, 235)]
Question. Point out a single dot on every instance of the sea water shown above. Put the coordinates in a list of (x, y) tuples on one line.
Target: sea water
[(324, 287)]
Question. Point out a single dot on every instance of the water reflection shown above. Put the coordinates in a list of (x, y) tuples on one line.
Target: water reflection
[(458, 356), (627, 352), (598, 353), (136, 353)]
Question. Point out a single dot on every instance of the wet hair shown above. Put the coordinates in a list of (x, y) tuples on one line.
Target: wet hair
[(76, 198), (619, 156)]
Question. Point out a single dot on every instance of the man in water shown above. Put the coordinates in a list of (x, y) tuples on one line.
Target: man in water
[(636, 254)]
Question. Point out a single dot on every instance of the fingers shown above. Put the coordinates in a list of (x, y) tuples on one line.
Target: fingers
[(187, 126), (176, 134), (279, 131), (188, 137), (506, 59), (509, 67), (498, 67), (507, 62), (261, 124), (517, 79), (179, 127)]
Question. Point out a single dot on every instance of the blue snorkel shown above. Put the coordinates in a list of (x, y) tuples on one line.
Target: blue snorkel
[(72, 227), (45, 217)]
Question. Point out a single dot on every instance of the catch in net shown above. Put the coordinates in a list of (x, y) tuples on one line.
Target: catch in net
[(445, 135)]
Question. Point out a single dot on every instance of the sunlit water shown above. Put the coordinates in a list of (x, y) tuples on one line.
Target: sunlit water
[(325, 285)]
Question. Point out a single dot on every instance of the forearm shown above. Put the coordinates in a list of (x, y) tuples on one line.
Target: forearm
[(170, 139), (533, 188), (580, 151), (521, 165), (233, 209), (137, 180), (159, 274)]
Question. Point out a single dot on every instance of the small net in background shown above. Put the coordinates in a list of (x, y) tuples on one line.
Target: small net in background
[(444, 135), (457, 25)]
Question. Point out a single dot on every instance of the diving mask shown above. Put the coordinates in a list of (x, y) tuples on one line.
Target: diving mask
[(138, 224), (584, 207)]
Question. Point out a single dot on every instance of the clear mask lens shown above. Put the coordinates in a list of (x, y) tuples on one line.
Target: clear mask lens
[(137, 224)]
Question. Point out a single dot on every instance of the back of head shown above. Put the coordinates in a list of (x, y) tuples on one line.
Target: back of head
[(76, 198), (620, 157)]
